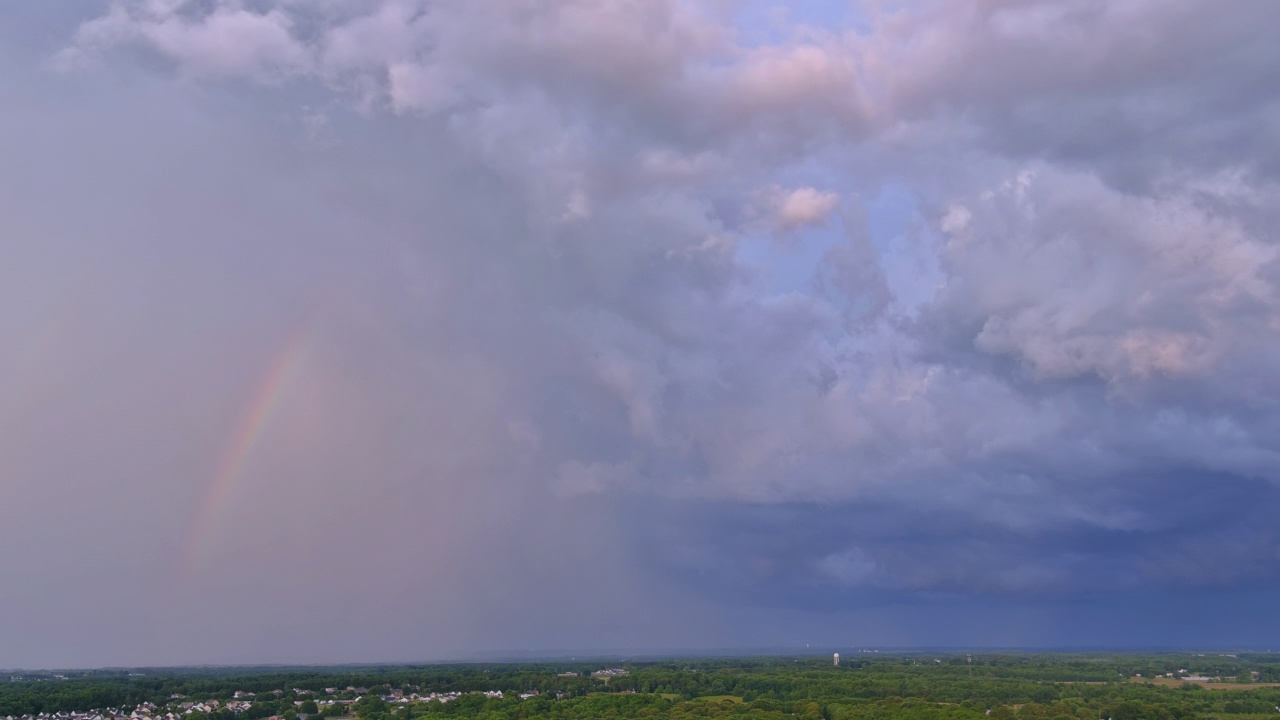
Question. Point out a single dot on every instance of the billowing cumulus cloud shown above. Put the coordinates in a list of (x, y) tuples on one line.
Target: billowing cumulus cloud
[(405, 329)]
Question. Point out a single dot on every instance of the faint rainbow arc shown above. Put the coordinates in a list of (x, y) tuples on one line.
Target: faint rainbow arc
[(248, 431)]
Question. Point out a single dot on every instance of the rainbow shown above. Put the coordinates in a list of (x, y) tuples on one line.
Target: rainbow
[(248, 431)]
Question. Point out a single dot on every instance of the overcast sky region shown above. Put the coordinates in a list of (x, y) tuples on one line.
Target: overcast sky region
[(401, 330)]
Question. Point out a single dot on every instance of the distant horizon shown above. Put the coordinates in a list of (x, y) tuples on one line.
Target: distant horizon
[(513, 658)]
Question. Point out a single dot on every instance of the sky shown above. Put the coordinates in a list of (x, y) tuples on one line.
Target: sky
[(408, 330)]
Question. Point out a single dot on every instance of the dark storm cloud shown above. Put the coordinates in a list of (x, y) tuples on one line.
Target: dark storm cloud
[(1197, 531)]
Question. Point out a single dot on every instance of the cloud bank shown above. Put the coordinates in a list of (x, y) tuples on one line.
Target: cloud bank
[(654, 309)]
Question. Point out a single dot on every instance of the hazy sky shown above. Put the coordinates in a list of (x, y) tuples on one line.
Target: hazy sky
[(375, 330)]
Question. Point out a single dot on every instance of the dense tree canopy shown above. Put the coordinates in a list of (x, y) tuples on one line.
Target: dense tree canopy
[(866, 687)]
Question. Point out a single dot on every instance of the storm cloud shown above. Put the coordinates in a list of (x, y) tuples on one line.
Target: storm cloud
[(405, 330)]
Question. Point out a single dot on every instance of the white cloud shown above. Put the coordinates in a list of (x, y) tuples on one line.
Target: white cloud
[(800, 207)]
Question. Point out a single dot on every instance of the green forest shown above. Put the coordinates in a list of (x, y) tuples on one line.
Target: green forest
[(870, 686)]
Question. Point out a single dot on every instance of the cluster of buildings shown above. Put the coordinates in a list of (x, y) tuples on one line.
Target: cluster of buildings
[(1185, 675), (398, 696), (145, 711), (180, 706), (107, 714), (179, 710)]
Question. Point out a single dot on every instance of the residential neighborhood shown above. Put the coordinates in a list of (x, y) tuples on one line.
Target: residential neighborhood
[(329, 702)]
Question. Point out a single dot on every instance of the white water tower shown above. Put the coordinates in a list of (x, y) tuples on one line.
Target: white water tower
[(835, 659)]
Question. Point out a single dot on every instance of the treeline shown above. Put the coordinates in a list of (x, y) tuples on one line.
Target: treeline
[(914, 686)]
